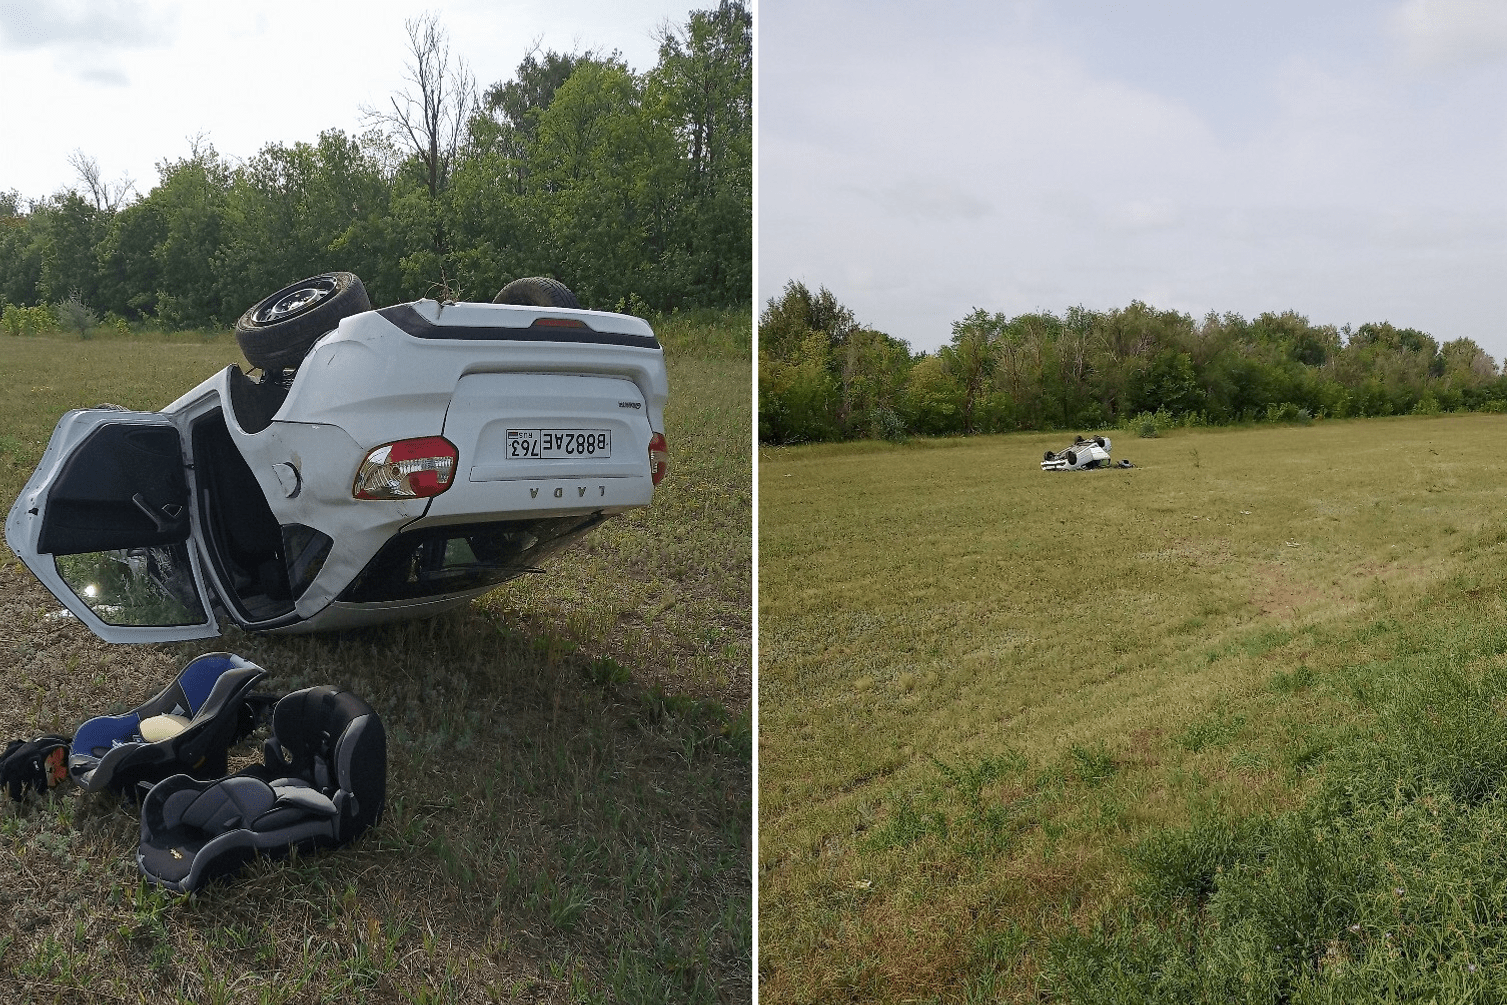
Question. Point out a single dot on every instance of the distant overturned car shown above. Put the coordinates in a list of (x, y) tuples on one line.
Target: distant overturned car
[(1082, 455)]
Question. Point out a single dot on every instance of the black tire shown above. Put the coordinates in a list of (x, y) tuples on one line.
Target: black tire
[(1072, 457), (537, 291), (279, 331), (1049, 456), (1099, 440)]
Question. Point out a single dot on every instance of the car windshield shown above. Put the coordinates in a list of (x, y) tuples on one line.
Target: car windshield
[(441, 560)]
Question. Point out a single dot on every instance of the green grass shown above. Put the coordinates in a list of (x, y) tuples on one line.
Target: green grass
[(988, 692), (569, 789)]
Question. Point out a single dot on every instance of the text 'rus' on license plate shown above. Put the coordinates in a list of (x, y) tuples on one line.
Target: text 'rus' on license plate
[(544, 443)]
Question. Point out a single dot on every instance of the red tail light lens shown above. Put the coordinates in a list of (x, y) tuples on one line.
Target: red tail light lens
[(407, 469), (659, 457)]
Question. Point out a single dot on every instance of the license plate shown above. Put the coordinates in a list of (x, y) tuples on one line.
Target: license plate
[(535, 444)]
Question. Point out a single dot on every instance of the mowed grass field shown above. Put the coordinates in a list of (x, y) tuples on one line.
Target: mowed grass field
[(996, 705), (569, 805)]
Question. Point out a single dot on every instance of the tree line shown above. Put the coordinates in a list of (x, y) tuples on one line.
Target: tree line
[(824, 376), (634, 189)]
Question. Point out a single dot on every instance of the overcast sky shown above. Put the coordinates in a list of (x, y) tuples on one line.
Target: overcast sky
[(1345, 159), (128, 82)]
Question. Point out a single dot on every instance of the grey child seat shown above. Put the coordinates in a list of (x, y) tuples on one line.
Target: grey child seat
[(329, 789)]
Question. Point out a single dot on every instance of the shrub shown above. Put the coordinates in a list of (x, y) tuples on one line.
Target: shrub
[(1288, 412), (1152, 424), (18, 320), (1427, 405), (76, 316), (117, 324), (886, 424)]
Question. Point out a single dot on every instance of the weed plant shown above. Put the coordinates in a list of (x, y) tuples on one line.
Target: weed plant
[(1247, 692), (1387, 884)]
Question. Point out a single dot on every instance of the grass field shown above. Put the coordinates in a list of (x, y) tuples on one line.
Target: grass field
[(569, 791), (1029, 735)]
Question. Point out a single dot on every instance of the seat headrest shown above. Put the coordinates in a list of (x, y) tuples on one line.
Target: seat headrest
[(309, 723)]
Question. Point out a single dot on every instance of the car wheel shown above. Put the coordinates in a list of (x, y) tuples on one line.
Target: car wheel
[(1049, 456), (537, 291), (1072, 458), (1099, 440), (279, 331)]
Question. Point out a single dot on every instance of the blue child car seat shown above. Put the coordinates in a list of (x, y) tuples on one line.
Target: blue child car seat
[(327, 789), (188, 727)]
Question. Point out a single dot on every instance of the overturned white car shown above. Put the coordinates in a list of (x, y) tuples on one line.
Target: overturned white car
[(1081, 455), (388, 464)]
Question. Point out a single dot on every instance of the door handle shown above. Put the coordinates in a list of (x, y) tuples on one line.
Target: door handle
[(169, 519)]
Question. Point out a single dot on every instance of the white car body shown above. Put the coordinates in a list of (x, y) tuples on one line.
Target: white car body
[(492, 379), (1082, 455)]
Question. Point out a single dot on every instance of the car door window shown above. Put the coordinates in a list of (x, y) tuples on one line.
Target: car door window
[(135, 586)]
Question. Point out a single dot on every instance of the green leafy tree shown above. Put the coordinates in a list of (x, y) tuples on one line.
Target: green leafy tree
[(798, 396), (508, 119), (21, 231), (605, 184), (74, 227), (933, 401), (787, 320), (703, 89), (972, 357), (1167, 382), (295, 211), (872, 374), (192, 197)]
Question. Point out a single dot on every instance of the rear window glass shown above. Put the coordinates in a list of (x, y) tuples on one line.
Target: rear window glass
[(440, 560)]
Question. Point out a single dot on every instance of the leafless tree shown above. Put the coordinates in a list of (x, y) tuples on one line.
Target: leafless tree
[(106, 196), (432, 122)]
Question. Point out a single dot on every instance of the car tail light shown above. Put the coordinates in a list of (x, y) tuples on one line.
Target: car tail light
[(659, 457), (407, 469)]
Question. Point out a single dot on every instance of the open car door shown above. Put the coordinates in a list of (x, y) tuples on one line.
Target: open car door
[(105, 523)]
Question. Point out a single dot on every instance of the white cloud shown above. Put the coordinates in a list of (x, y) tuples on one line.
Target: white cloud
[(929, 198), (105, 76), (1438, 34), (1143, 215), (37, 24)]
